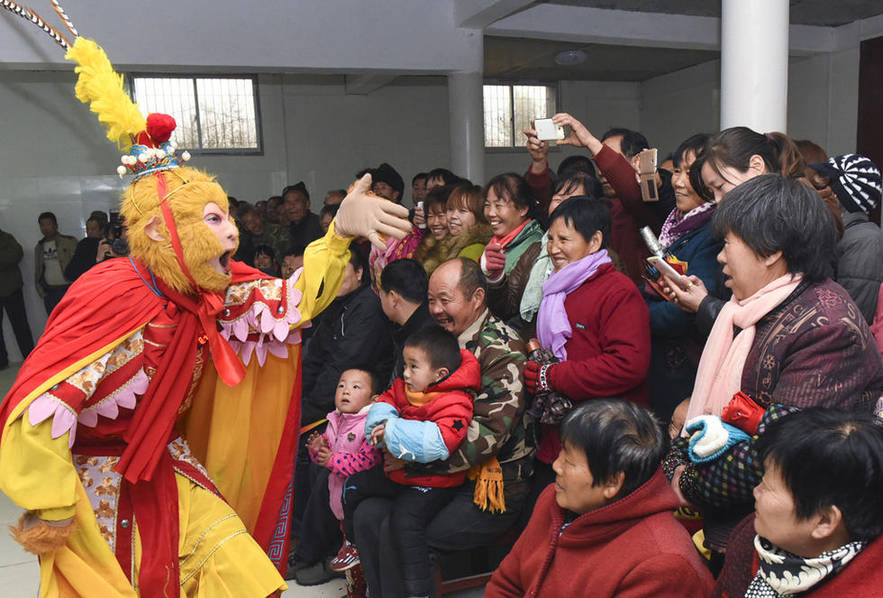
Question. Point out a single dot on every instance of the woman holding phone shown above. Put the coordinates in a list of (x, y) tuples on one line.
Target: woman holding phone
[(685, 235)]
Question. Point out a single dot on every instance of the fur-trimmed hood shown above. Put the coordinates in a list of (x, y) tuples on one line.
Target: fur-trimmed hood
[(433, 252)]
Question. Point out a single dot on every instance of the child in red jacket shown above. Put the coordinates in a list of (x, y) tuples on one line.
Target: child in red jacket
[(422, 418)]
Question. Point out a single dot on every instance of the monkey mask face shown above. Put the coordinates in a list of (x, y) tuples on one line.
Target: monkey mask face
[(199, 212)]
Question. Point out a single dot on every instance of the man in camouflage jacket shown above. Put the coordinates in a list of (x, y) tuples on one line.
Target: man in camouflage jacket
[(499, 428)]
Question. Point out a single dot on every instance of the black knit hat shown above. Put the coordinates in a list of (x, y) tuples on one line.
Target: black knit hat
[(854, 179), (387, 174), (299, 186)]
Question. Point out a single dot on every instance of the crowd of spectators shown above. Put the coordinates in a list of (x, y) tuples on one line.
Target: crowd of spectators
[(680, 349), (705, 363)]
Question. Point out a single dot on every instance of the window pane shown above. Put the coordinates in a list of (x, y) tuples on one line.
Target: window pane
[(226, 113), (173, 96), (532, 101), (497, 116)]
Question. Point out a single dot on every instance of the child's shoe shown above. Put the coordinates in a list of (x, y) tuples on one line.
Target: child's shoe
[(347, 557)]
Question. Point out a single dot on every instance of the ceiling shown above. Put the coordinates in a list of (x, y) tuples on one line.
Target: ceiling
[(828, 13), (534, 59)]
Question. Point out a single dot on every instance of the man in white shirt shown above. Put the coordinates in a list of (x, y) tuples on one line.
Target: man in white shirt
[(51, 256)]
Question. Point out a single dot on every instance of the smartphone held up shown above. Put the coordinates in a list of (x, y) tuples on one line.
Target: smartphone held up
[(547, 130)]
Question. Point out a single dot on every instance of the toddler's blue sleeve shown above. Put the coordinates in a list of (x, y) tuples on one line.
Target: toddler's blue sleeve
[(413, 440)]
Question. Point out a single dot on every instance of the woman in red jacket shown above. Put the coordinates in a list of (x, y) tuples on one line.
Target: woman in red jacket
[(607, 527), (592, 318), (818, 518)]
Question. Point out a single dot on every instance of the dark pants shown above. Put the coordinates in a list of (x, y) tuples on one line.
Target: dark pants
[(543, 475), (14, 305), (414, 507), (459, 525), (305, 473), (320, 529), (53, 296)]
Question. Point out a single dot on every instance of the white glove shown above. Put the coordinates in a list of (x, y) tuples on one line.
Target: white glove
[(710, 437), (363, 215)]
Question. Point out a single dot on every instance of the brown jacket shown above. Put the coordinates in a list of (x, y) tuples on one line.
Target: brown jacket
[(65, 245), (504, 296)]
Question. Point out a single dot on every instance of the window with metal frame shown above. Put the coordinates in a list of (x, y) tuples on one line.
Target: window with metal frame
[(214, 114), (509, 108)]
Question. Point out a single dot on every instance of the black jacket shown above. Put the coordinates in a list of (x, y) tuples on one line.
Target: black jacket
[(352, 332), (84, 258), (306, 231), (418, 320), (860, 261)]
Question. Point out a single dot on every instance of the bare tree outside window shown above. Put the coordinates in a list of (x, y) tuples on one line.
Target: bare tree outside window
[(508, 110), (214, 114)]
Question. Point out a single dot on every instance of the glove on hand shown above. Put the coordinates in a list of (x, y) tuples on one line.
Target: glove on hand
[(363, 215), (531, 376), (710, 438), (536, 377), (493, 261)]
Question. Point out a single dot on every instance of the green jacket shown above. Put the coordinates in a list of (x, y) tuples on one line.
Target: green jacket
[(10, 256)]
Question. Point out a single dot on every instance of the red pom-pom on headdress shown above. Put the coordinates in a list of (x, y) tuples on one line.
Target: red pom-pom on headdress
[(159, 130)]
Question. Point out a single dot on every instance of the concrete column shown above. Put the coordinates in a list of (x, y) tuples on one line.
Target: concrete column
[(754, 64), (466, 123)]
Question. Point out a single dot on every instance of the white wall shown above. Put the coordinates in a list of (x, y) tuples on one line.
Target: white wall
[(822, 102), (331, 135), (679, 104)]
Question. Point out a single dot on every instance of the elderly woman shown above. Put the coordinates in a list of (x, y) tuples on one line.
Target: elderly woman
[(789, 335), (455, 217), (510, 254), (576, 184), (686, 237), (606, 528), (592, 318), (818, 516)]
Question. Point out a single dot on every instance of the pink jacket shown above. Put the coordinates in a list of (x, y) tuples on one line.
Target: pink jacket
[(350, 452)]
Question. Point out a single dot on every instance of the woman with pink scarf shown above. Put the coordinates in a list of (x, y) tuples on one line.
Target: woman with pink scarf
[(789, 336), (592, 318)]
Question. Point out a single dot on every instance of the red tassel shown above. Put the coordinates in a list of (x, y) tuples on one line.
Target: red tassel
[(229, 367)]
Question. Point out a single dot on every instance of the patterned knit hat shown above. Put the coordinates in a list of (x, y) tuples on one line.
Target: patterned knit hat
[(855, 180)]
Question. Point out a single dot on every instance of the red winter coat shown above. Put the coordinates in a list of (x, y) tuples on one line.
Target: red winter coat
[(608, 354), (630, 548), (628, 211), (450, 410), (860, 578)]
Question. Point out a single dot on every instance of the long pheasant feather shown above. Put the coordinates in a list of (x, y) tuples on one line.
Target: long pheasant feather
[(102, 88)]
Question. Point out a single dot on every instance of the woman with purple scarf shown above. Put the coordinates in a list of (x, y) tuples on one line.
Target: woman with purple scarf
[(592, 318), (686, 235)]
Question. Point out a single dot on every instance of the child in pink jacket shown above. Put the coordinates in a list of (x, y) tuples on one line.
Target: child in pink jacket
[(343, 450)]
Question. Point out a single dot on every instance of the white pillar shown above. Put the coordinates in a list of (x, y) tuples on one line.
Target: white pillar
[(754, 64), (466, 123)]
